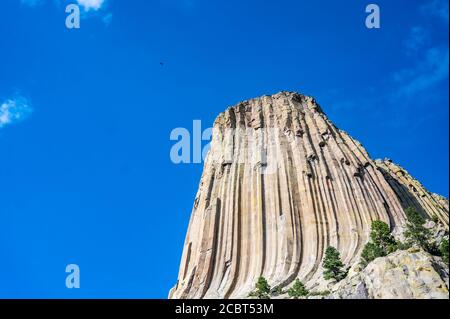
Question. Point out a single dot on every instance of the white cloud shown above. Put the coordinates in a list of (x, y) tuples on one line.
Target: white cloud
[(92, 8), (14, 110), (91, 4)]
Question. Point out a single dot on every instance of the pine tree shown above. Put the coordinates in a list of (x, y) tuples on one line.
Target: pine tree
[(416, 233), (444, 250), (298, 290), (262, 289), (333, 265), (381, 242), (381, 236)]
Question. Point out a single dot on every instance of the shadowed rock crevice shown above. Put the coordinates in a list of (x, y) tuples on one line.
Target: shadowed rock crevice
[(411, 192)]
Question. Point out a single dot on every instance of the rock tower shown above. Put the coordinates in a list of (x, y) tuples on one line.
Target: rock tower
[(280, 184)]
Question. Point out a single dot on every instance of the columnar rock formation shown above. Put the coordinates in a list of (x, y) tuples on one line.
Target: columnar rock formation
[(280, 184), (411, 193)]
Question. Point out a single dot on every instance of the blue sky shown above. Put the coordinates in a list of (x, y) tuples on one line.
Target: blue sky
[(86, 115)]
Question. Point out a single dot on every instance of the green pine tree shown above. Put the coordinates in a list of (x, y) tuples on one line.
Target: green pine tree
[(262, 289), (381, 236), (298, 290), (333, 265), (381, 242), (444, 250), (416, 233)]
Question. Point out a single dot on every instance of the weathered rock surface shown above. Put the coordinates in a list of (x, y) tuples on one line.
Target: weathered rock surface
[(412, 274), (280, 184), (411, 193)]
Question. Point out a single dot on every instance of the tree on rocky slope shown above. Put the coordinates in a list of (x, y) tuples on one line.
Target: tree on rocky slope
[(416, 233), (262, 289), (298, 290), (333, 266), (444, 250), (381, 242)]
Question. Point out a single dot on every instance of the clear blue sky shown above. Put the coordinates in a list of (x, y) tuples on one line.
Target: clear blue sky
[(85, 171)]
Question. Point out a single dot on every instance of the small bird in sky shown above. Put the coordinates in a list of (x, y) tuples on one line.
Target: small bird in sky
[(161, 63)]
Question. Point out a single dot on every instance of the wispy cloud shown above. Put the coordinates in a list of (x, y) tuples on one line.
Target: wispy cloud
[(417, 39), (427, 63), (431, 69), (107, 19), (14, 110), (436, 8), (89, 5), (91, 8)]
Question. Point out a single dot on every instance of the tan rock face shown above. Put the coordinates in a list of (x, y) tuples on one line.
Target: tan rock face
[(411, 193), (400, 275), (280, 184)]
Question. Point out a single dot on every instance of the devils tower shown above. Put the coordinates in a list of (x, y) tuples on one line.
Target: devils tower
[(280, 184)]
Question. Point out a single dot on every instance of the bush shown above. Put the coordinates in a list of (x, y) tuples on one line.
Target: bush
[(262, 289), (333, 265), (298, 290), (381, 242), (444, 250), (416, 233), (403, 245)]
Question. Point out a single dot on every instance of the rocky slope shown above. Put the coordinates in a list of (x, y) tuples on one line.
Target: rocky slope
[(280, 184), (411, 193), (412, 274)]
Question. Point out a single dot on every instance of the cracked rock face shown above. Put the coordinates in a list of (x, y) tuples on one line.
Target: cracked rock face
[(412, 274), (411, 192), (280, 184)]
